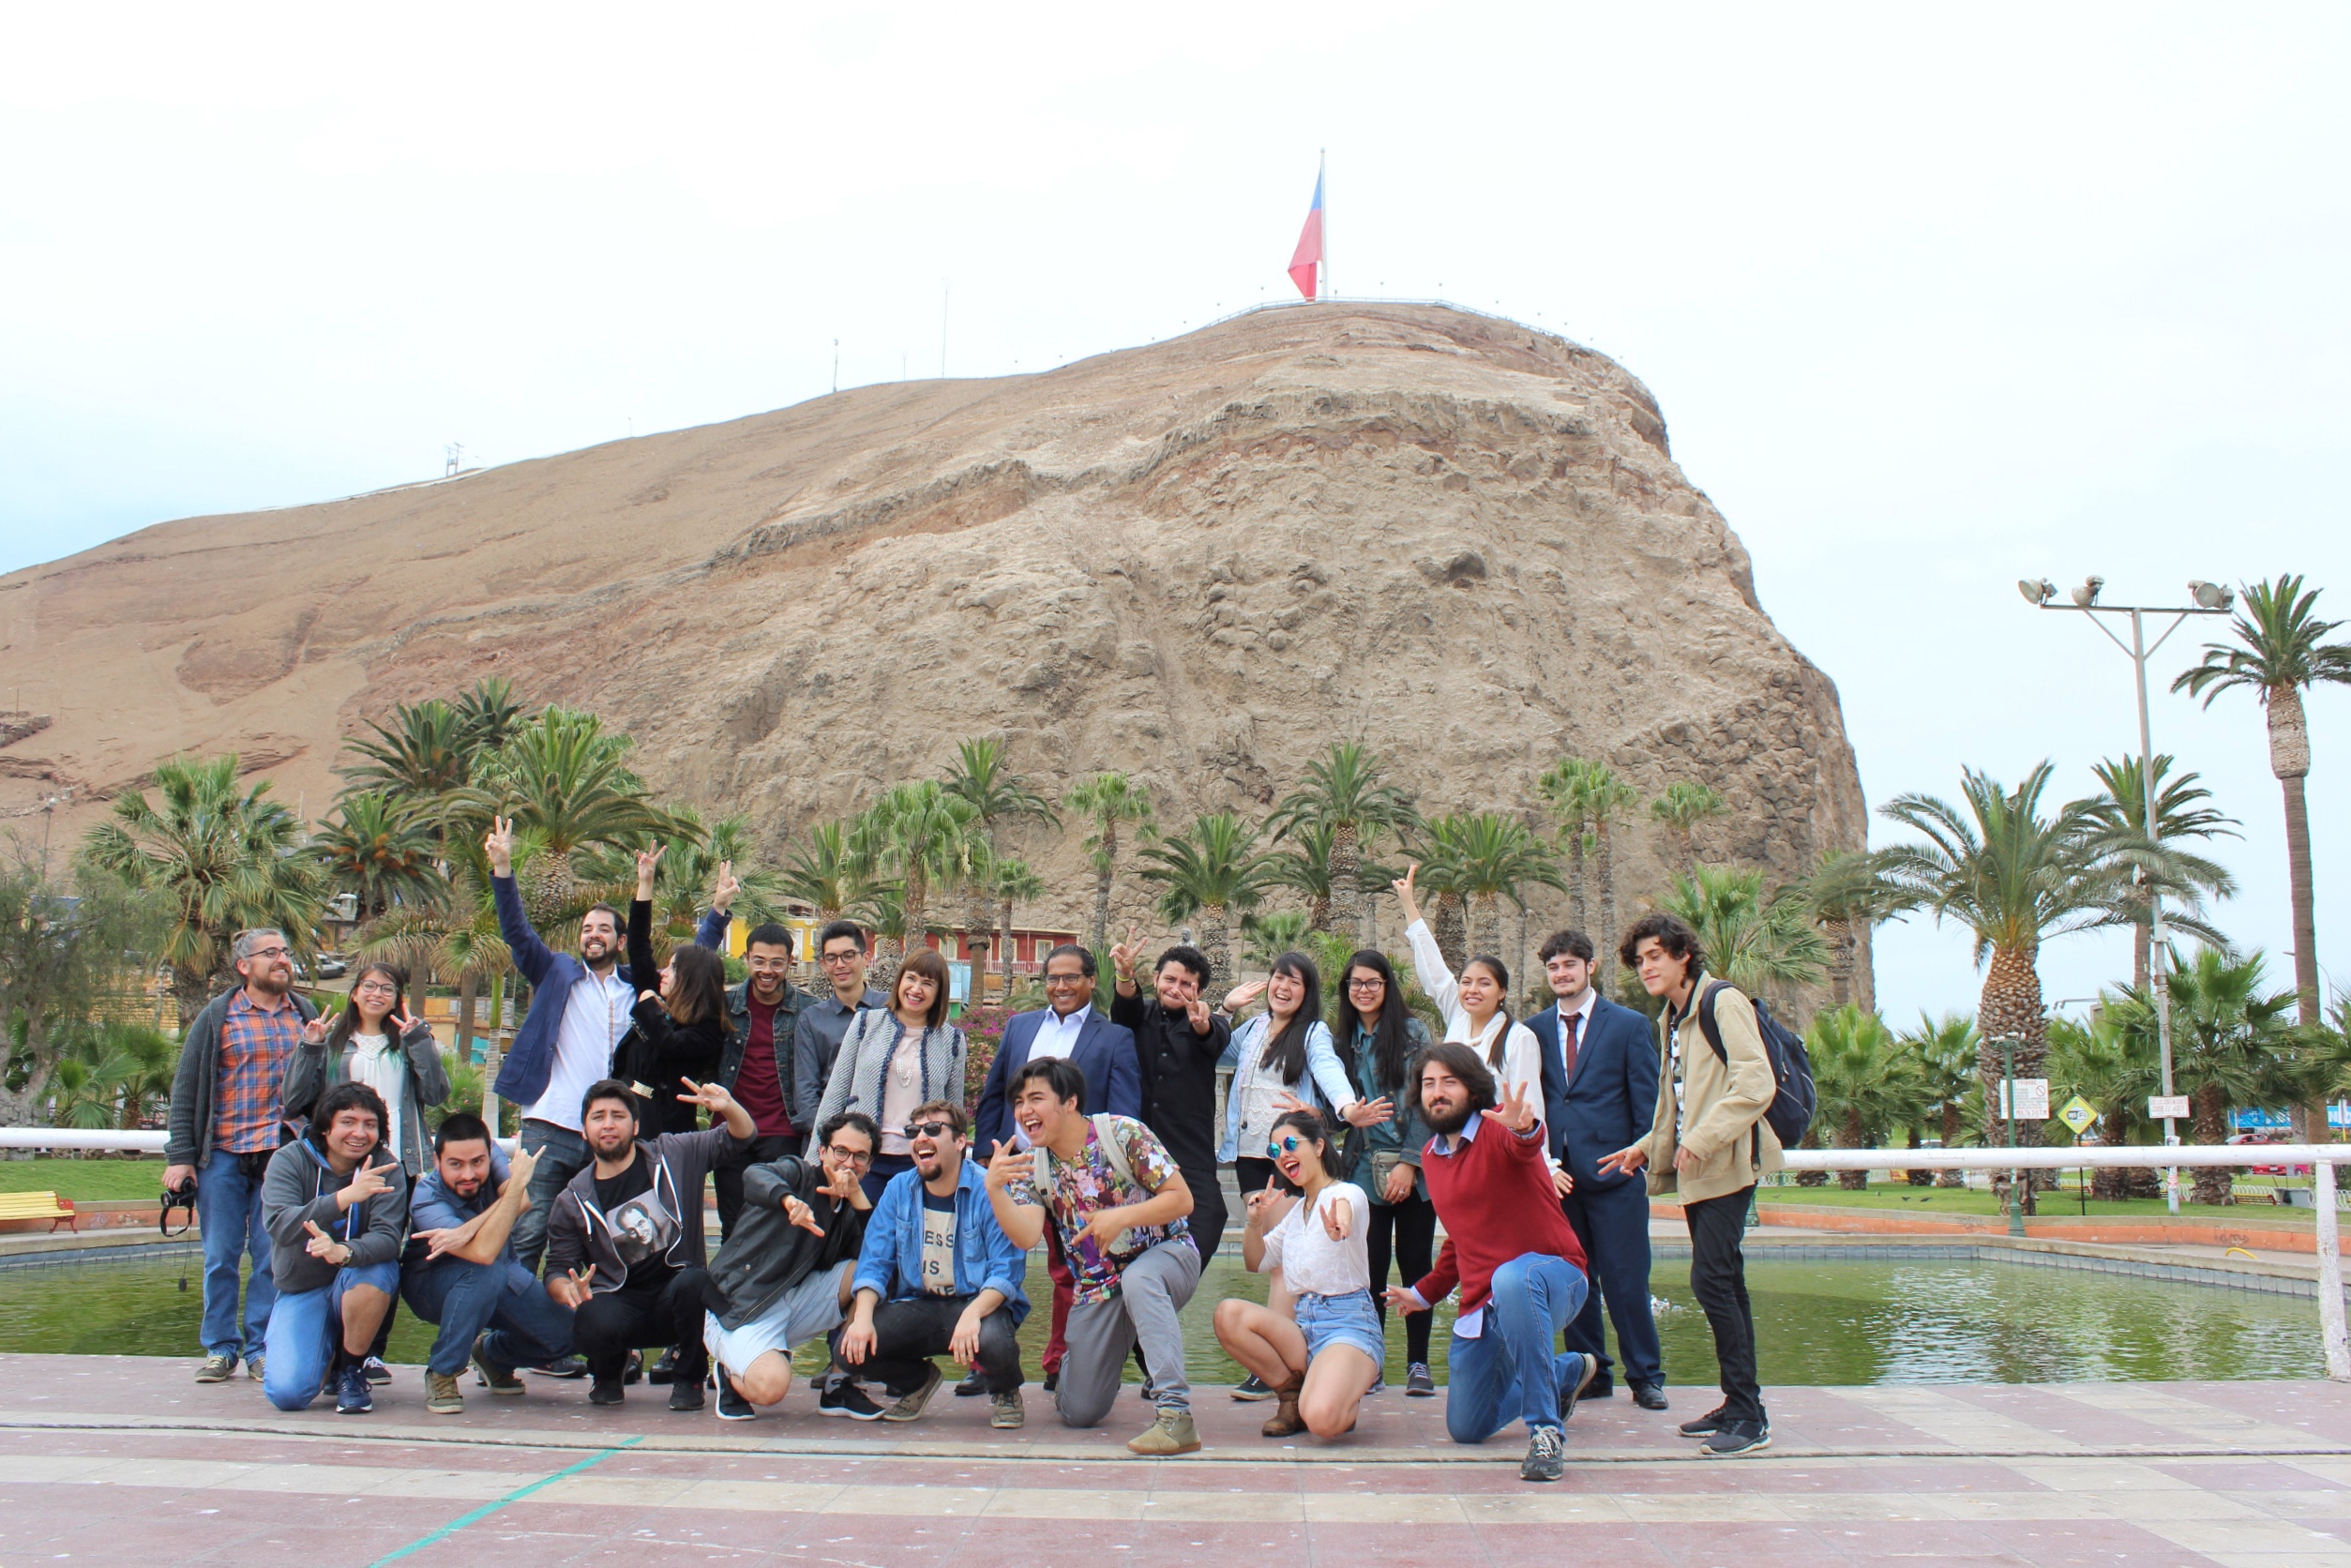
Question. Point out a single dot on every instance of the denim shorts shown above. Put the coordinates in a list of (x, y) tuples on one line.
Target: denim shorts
[(1347, 1320)]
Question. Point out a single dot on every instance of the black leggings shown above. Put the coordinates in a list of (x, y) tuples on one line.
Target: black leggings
[(1412, 1226)]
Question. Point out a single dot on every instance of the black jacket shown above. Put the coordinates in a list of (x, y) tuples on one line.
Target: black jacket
[(659, 1053), (767, 1255), (1179, 1075)]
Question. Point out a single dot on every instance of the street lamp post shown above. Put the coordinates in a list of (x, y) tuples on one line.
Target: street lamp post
[(2211, 600)]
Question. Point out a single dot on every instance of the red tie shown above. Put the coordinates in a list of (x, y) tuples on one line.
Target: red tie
[(1572, 1038)]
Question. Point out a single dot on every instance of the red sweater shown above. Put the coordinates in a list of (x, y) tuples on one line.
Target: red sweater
[(1495, 1196)]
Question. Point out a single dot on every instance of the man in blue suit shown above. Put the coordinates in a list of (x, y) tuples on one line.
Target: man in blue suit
[(1599, 1095), (1104, 1051)]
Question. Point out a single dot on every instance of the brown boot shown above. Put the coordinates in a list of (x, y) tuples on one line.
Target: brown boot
[(1284, 1422)]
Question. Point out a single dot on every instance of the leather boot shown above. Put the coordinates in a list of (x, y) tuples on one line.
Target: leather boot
[(1284, 1422)]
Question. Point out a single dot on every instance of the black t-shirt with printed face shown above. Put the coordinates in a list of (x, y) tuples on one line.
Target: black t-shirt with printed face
[(637, 1226)]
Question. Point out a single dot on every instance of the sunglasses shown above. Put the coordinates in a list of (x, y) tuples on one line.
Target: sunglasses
[(1281, 1146), (928, 1129), (851, 1157)]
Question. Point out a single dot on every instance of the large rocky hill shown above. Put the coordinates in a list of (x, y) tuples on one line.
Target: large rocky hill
[(1200, 561)]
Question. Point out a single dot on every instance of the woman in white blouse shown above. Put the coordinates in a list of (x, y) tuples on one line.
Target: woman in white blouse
[(1320, 1365), (1476, 1005)]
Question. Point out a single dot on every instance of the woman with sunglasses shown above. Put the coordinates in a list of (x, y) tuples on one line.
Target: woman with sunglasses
[(1381, 1042), (896, 1058), (1321, 1365)]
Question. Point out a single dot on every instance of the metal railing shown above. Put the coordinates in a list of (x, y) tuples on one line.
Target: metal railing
[(2335, 1336)]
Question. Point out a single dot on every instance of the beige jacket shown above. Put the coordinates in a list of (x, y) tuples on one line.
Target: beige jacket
[(1722, 1124)]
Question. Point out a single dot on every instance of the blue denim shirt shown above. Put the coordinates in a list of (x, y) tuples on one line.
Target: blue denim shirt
[(1324, 1084), (433, 1207), (891, 1263)]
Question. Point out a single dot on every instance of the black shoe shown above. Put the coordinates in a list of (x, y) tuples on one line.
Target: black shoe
[(633, 1369), (972, 1385), (563, 1366), (1571, 1393), (376, 1372), (1602, 1388), (1547, 1456), (1734, 1438), (1649, 1396), (1250, 1387), (665, 1369), (1704, 1426), (731, 1405), (686, 1393), (846, 1398), (1053, 1381), (605, 1391)]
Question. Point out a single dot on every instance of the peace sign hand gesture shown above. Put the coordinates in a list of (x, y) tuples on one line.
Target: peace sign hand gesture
[(498, 844), (1266, 1207), (314, 1031), (648, 868), (1338, 1218), (722, 892), (1515, 1111), (1124, 954)]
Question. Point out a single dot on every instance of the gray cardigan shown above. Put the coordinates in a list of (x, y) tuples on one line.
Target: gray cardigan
[(865, 1050), (190, 1138), (300, 1185), (426, 1083)]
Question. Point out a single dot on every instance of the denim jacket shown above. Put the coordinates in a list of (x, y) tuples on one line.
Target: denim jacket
[(890, 1264), (1324, 1084)]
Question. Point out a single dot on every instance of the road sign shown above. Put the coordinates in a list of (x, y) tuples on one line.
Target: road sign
[(2161, 1106), (2032, 1099), (2077, 1113)]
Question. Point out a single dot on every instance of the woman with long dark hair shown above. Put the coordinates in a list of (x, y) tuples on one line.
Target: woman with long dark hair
[(1321, 1362), (896, 1058), (681, 1030), (1476, 1005), (1281, 1058), (1380, 1043)]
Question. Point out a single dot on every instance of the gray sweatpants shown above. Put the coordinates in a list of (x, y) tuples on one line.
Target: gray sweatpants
[(1151, 1290)]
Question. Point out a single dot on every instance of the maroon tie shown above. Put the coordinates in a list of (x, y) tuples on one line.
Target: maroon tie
[(1571, 1040)]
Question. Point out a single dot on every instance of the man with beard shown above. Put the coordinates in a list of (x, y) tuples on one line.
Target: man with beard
[(224, 1128), (624, 1247), (937, 1275), (335, 1202), (1512, 1251), (762, 1015), (1178, 1041), (782, 1277), (580, 1009), (459, 1271)]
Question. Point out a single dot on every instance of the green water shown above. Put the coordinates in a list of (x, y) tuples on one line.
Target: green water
[(1928, 1320)]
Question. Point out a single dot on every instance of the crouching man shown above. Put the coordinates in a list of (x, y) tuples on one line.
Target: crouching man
[(461, 1271), (782, 1277), (335, 1202), (936, 1276)]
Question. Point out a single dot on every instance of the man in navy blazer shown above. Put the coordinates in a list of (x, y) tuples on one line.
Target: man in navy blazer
[(1104, 1051), (1599, 1095)]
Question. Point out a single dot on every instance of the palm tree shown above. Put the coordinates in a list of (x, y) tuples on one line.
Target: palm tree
[(1868, 1085), (2231, 1045), (1759, 944), (1589, 797), (1561, 787), (826, 872), (983, 777), (923, 835), (1439, 854), (1684, 803), (2183, 879), (1270, 936), (1016, 883), (489, 716), (1213, 869), (1945, 1051), (378, 853), (1108, 800), (424, 754), (221, 859), (1306, 869), (2014, 876), (1496, 857), (1342, 792), (2280, 650), (2114, 1069), (1849, 894)]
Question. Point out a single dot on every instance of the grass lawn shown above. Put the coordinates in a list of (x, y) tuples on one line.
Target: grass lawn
[(104, 1180), (2052, 1205)]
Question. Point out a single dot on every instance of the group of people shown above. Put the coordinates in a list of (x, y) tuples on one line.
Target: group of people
[(861, 1203)]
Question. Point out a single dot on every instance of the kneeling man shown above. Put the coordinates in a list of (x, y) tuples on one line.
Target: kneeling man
[(1507, 1246), (335, 1202), (782, 1278), (936, 1276), (460, 1271)]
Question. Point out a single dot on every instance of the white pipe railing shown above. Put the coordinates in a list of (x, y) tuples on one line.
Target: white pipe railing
[(2322, 1159)]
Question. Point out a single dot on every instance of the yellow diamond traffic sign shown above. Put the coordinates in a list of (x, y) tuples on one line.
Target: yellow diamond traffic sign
[(2077, 1113)]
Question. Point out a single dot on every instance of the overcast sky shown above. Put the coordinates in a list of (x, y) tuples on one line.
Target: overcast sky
[(1932, 298)]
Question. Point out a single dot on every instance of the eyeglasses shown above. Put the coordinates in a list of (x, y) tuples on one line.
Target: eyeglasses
[(840, 957), (850, 1156), (377, 988), (1281, 1146), (928, 1129), (271, 953), (1366, 983), (1052, 981)]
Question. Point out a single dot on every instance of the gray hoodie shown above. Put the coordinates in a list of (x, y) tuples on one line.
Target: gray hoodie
[(301, 1185), (577, 1234)]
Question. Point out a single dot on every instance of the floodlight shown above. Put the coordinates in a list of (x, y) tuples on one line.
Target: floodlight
[(2210, 595), (2086, 595), (2037, 591)]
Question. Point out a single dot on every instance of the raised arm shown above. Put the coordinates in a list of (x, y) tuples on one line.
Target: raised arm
[(711, 930), (530, 955), (1428, 959)]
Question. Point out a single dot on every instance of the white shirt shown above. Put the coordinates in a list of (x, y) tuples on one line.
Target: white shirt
[(1570, 1032), (380, 1064), (1522, 1053), (596, 1016), (1057, 1035), (1311, 1263)]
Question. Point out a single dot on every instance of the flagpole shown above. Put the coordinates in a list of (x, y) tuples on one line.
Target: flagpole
[(1322, 173)]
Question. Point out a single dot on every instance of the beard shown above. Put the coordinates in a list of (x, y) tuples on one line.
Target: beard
[(1451, 1121)]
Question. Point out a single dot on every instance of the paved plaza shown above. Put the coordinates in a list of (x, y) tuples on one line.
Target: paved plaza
[(125, 1460)]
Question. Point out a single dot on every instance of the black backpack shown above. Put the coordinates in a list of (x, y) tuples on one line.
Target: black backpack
[(1794, 1098)]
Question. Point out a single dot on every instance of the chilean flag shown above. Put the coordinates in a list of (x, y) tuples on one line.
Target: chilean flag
[(1308, 256)]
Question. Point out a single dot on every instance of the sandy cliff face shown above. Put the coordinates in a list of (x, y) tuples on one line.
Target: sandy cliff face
[(1199, 561)]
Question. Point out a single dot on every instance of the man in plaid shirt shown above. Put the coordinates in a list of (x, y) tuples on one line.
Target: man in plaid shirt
[(225, 1125)]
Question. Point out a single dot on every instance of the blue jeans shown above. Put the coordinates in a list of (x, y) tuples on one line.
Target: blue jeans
[(306, 1329), (1509, 1372), (563, 1155), (228, 1218), (521, 1325)]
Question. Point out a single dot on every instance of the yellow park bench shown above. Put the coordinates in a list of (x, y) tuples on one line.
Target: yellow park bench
[(39, 1205)]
